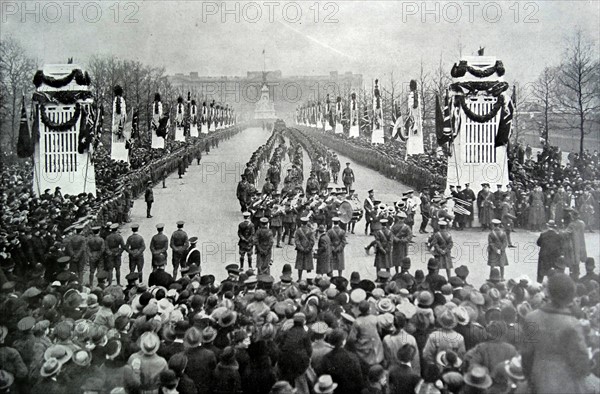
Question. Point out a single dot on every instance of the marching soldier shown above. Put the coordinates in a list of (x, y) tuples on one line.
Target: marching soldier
[(401, 235), (337, 236), (289, 222), (149, 198), (305, 241), (370, 212), (114, 249), (267, 187), (348, 177), (179, 245), (312, 185), (96, 249), (441, 244), (135, 246), (246, 236), (159, 244), (193, 255), (264, 246), (497, 243), (242, 193), (76, 248), (334, 164)]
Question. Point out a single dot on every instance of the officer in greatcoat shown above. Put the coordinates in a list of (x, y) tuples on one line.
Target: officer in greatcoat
[(96, 249), (135, 246), (115, 245), (305, 241), (159, 244), (179, 245), (337, 236), (149, 198), (76, 248), (263, 241), (323, 252), (497, 243)]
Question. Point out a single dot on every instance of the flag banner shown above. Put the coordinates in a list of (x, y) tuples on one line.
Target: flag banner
[(354, 124), (377, 133), (24, 144), (414, 144)]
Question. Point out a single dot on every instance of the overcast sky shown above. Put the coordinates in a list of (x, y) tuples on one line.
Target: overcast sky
[(299, 38)]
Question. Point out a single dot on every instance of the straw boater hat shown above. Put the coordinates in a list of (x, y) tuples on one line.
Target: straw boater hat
[(478, 377), (325, 385), (61, 353)]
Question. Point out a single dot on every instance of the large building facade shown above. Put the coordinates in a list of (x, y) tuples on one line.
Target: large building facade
[(287, 92)]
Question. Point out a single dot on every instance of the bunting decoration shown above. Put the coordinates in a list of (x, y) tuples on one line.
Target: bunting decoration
[(319, 116), (505, 124), (24, 144), (193, 119), (328, 115), (211, 117)]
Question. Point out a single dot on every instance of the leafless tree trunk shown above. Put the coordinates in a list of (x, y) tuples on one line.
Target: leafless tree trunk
[(543, 92)]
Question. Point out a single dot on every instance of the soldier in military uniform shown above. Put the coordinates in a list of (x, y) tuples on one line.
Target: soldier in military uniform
[(441, 244), (246, 236), (95, 249), (425, 210), (383, 247), (305, 241), (312, 185), (337, 236), (263, 241), (370, 212), (348, 177), (335, 166), (401, 236), (135, 246), (149, 198), (115, 246), (159, 244), (507, 217), (76, 248), (179, 245), (277, 222), (242, 193), (289, 222), (468, 195), (498, 197)]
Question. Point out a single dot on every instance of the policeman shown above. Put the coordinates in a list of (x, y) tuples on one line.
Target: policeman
[(149, 198), (179, 244), (114, 248), (193, 255), (159, 244), (159, 277), (246, 236), (135, 247), (264, 246), (96, 249)]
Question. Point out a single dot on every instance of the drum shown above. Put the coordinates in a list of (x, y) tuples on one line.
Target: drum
[(350, 210)]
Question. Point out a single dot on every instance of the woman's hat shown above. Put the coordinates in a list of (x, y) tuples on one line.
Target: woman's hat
[(82, 357), (385, 305), (112, 349), (425, 298), (478, 377), (6, 379), (514, 369), (227, 318), (50, 368), (462, 315), (149, 343), (447, 320), (325, 384), (448, 359), (208, 334), (59, 352), (358, 295)]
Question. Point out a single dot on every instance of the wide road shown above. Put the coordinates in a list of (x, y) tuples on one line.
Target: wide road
[(205, 199)]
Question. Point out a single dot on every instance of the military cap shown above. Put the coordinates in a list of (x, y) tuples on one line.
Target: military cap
[(401, 215), (304, 219), (180, 223), (264, 220), (114, 226), (370, 191), (160, 226), (251, 280), (443, 223), (135, 226), (132, 276), (383, 221), (246, 214), (496, 221), (8, 287), (149, 183), (265, 278), (64, 276), (63, 259), (385, 275), (26, 323), (102, 275), (335, 219), (320, 328), (96, 229), (233, 268)]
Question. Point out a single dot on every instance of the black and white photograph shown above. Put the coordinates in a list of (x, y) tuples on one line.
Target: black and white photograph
[(299, 197)]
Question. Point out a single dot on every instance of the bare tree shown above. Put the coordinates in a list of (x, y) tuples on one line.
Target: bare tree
[(579, 89), (16, 71), (543, 92)]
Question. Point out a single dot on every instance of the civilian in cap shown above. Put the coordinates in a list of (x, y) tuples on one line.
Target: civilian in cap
[(550, 243), (343, 366), (497, 243), (149, 198), (305, 242), (319, 346), (160, 277), (95, 249), (146, 363), (159, 244), (403, 374), (296, 349), (179, 244), (557, 361), (337, 236), (178, 364), (263, 240), (135, 246), (393, 343)]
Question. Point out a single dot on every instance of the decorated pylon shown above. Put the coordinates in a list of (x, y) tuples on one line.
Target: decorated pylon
[(414, 144), (319, 116), (193, 119), (158, 133), (120, 134), (204, 119), (377, 133), (212, 117), (180, 120), (328, 115), (339, 112), (354, 126)]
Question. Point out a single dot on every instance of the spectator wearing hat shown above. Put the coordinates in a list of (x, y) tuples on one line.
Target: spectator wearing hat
[(160, 277), (146, 364), (105, 316), (263, 240), (11, 359), (444, 338), (319, 346), (508, 376), (368, 345), (49, 382), (168, 380), (227, 376), (159, 244), (76, 249), (282, 387), (115, 246), (394, 342), (295, 344), (178, 364), (477, 380), (95, 249), (550, 243), (342, 365), (201, 361), (590, 275), (492, 351), (557, 361), (259, 374), (433, 278), (305, 242), (377, 381), (323, 251), (497, 243), (41, 343), (403, 378), (135, 247)]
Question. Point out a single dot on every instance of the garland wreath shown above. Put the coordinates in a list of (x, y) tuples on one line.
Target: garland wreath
[(493, 88), (65, 97), (81, 77), (481, 118), (60, 126), (461, 69)]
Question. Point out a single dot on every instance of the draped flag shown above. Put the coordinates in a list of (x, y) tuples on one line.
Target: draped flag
[(119, 115), (445, 130), (414, 144), (505, 124), (24, 144)]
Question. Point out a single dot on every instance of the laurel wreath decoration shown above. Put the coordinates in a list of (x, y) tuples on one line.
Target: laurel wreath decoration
[(480, 118), (60, 126), (462, 68), (81, 77)]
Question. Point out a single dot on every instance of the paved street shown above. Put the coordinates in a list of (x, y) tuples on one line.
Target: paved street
[(205, 199)]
